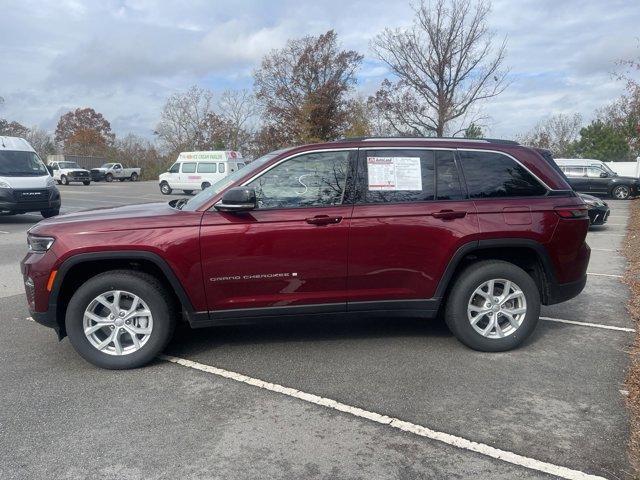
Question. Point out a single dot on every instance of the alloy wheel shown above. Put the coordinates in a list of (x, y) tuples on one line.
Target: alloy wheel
[(497, 308), (117, 322)]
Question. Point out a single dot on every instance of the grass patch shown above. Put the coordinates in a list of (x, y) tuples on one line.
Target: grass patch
[(631, 250)]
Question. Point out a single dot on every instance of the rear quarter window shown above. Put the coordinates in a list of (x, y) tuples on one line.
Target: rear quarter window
[(494, 175)]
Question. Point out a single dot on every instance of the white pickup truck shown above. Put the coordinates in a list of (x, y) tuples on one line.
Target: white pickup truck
[(112, 171), (66, 172)]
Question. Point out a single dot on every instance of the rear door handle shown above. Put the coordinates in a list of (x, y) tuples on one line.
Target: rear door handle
[(323, 220), (449, 214)]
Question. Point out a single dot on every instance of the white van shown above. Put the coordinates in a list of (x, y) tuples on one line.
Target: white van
[(199, 170), (25, 182)]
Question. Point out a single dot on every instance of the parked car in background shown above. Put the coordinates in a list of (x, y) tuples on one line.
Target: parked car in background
[(25, 183), (115, 171), (484, 231), (67, 172), (595, 177), (199, 170), (598, 209)]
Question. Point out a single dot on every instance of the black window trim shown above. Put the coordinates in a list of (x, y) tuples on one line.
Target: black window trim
[(351, 159), (548, 189)]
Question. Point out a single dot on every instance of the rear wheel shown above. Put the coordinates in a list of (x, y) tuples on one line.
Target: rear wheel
[(493, 306), (50, 212), (120, 319), (165, 189), (205, 185), (621, 192), (134, 177), (188, 192), (59, 182), (87, 182), (64, 180)]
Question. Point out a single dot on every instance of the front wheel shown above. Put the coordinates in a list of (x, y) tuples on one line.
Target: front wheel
[(621, 192), (493, 306), (64, 180), (87, 182), (109, 177), (52, 212), (165, 189), (120, 319)]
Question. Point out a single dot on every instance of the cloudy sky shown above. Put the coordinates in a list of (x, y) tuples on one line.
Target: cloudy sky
[(124, 57)]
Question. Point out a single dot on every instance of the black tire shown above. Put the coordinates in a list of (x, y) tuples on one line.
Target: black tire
[(187, 192), (59, 182), (165, 189), (467, 282), (86, 182), (134, 177), (64, 180), (205, 185), (149, 289), (108, 177), (621, 192), (121, 179), (50, 213)]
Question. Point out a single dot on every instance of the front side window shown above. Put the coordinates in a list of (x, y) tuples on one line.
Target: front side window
[(396, 176), (221, 168), (189, 167), (175, 168), (493, 175), (310, 180), (594, 172), (207, 168)]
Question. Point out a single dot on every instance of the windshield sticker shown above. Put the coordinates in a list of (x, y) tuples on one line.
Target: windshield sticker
[(394, 173)]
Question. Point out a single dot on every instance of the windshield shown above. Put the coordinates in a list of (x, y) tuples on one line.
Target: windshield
[(21, 164), (68, 165), (205, 195), (107, 165), (608, 170)]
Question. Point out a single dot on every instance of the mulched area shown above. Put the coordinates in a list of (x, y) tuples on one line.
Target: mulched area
[(631, 250)]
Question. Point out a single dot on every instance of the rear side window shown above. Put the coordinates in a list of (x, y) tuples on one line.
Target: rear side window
[(207, 168), (448, 187), (175, 168), (221, 168), (189, 167), (574, 171), (397, 176), (493, 175)]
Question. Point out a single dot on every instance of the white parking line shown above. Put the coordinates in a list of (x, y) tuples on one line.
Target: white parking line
[(604, 250), (604, 275), (596, 234), (453, 440), (588, 324), (2, 231)]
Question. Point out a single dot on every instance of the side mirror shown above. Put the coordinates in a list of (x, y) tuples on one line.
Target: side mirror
[(237, 199), (604, 175)]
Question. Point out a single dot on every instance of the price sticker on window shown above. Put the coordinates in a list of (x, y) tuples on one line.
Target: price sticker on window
[(394, 173)]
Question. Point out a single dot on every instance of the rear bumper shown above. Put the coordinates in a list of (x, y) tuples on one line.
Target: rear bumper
[(561, 292)]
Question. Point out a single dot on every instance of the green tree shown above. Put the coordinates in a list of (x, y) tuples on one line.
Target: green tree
[(602, 141), (473, 131)]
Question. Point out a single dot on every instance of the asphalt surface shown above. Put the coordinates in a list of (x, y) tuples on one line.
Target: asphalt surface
[(557, 399)]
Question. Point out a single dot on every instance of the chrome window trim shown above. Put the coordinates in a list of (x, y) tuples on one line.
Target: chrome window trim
[(549, 189)]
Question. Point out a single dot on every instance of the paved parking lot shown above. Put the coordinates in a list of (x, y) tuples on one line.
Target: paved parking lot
[(557, 400)]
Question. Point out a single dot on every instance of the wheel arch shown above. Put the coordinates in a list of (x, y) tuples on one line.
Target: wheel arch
[(79, 268), (527, 254)]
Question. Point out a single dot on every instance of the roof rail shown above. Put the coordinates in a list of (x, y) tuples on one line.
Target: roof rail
[(434, 139)]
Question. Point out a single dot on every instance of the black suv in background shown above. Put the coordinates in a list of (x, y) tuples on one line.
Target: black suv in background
[(596, 178)]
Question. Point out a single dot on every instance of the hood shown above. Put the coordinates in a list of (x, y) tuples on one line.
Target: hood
[(99, 169), (28, 182), (77, 169), (629, 179)]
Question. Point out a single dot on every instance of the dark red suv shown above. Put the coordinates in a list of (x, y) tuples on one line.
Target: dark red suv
[(483, 231)]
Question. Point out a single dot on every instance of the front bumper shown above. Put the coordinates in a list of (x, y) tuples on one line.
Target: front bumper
[(598, 215), (29, 200), (36, 269), (97, 175)]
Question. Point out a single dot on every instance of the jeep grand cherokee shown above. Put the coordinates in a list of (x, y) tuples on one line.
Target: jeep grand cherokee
[(482, 231)]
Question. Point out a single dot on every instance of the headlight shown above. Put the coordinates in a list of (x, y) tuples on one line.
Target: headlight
[(39, 244), (51, 182), (4, 184)]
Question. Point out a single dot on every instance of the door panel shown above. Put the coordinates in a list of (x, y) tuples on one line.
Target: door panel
[(402, 240), (274, 258)]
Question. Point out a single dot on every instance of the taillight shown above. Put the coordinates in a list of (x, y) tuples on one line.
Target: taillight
[(572, 212)]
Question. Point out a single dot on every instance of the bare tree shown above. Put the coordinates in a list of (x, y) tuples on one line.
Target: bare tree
[(303, 90), (238, 110), (183, 120), (445, 64), (41, 141), (556, 133)]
